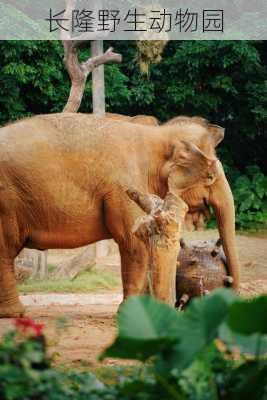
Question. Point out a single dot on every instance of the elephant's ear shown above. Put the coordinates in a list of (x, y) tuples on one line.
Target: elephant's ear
[(189, 156), (189, 166), (217, 134)]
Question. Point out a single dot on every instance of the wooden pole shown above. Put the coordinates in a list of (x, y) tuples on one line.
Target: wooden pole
[(98, 89), (98, 80)]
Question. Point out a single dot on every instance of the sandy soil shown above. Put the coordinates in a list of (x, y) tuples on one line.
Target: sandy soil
[(89, 323), (76, 334)]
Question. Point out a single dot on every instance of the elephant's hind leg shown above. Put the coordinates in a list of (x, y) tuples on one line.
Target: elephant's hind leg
[(10, 305)]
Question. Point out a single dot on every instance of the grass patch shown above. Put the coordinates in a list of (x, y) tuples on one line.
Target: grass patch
[(88, 281)]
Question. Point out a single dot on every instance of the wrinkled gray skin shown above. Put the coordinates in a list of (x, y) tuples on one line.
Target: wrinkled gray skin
[(63, 182)]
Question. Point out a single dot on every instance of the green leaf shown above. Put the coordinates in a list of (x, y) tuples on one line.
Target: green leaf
[(260, 183), (199, 380), (146, 327), (198, 328), (248, 202), (249, 381), (249, 316), (255, 344), (252, 170), (243, 183), (145, 317)]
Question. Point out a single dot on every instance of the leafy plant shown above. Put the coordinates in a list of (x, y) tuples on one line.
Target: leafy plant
[(26, 372), (192, 359), (250, 193), (204, 353)]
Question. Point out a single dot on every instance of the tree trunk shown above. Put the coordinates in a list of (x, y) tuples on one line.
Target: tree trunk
[(98, 80), (160, 230), (34, 261), (79, 72), (99, 108), (71, 268)]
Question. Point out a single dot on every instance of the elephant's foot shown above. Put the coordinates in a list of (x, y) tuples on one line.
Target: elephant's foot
[(15, 310)]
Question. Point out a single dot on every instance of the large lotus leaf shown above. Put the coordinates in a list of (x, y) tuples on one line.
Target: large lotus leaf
[(198, 328), (146, 327), (249, 316), (255, 344)]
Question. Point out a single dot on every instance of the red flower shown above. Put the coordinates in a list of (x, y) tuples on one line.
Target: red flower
[(25, 324)]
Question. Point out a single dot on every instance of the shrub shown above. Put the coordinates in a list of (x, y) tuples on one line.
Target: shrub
[(250, 193), (215, 350)]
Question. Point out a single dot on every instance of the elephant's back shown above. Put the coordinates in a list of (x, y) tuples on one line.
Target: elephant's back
[(68, 131), (77, 145), (23, 136)]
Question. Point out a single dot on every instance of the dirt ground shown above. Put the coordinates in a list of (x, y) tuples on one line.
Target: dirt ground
[(78, 327)]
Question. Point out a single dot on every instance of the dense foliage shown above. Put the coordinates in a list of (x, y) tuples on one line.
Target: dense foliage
[(214, 350), (250, 193), (224, 81)]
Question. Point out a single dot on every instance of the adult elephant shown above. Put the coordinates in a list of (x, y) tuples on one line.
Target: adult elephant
[(63, 182), (218, 194)]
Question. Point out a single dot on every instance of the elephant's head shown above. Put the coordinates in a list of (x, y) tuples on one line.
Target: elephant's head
[(197, 130), (188, 166), (211, 187)]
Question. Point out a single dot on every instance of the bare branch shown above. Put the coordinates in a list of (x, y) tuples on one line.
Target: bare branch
[(148, 203), (108, 57), (79, 72)]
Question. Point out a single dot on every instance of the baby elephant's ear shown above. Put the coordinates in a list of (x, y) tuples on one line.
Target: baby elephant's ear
[(217, 134), (189, 156)]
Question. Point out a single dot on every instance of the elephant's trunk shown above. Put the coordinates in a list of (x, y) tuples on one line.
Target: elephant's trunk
[(221, 199)]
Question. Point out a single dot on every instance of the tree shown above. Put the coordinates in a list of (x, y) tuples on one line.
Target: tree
[(79, 72)]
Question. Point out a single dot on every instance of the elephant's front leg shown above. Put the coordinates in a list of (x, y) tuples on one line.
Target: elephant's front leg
[(134, 268), (10, 305)]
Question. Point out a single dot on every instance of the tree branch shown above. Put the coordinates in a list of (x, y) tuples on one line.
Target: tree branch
[(79, 72)]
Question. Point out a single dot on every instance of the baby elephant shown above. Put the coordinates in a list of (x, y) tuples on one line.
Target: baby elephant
[(201, 267)]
